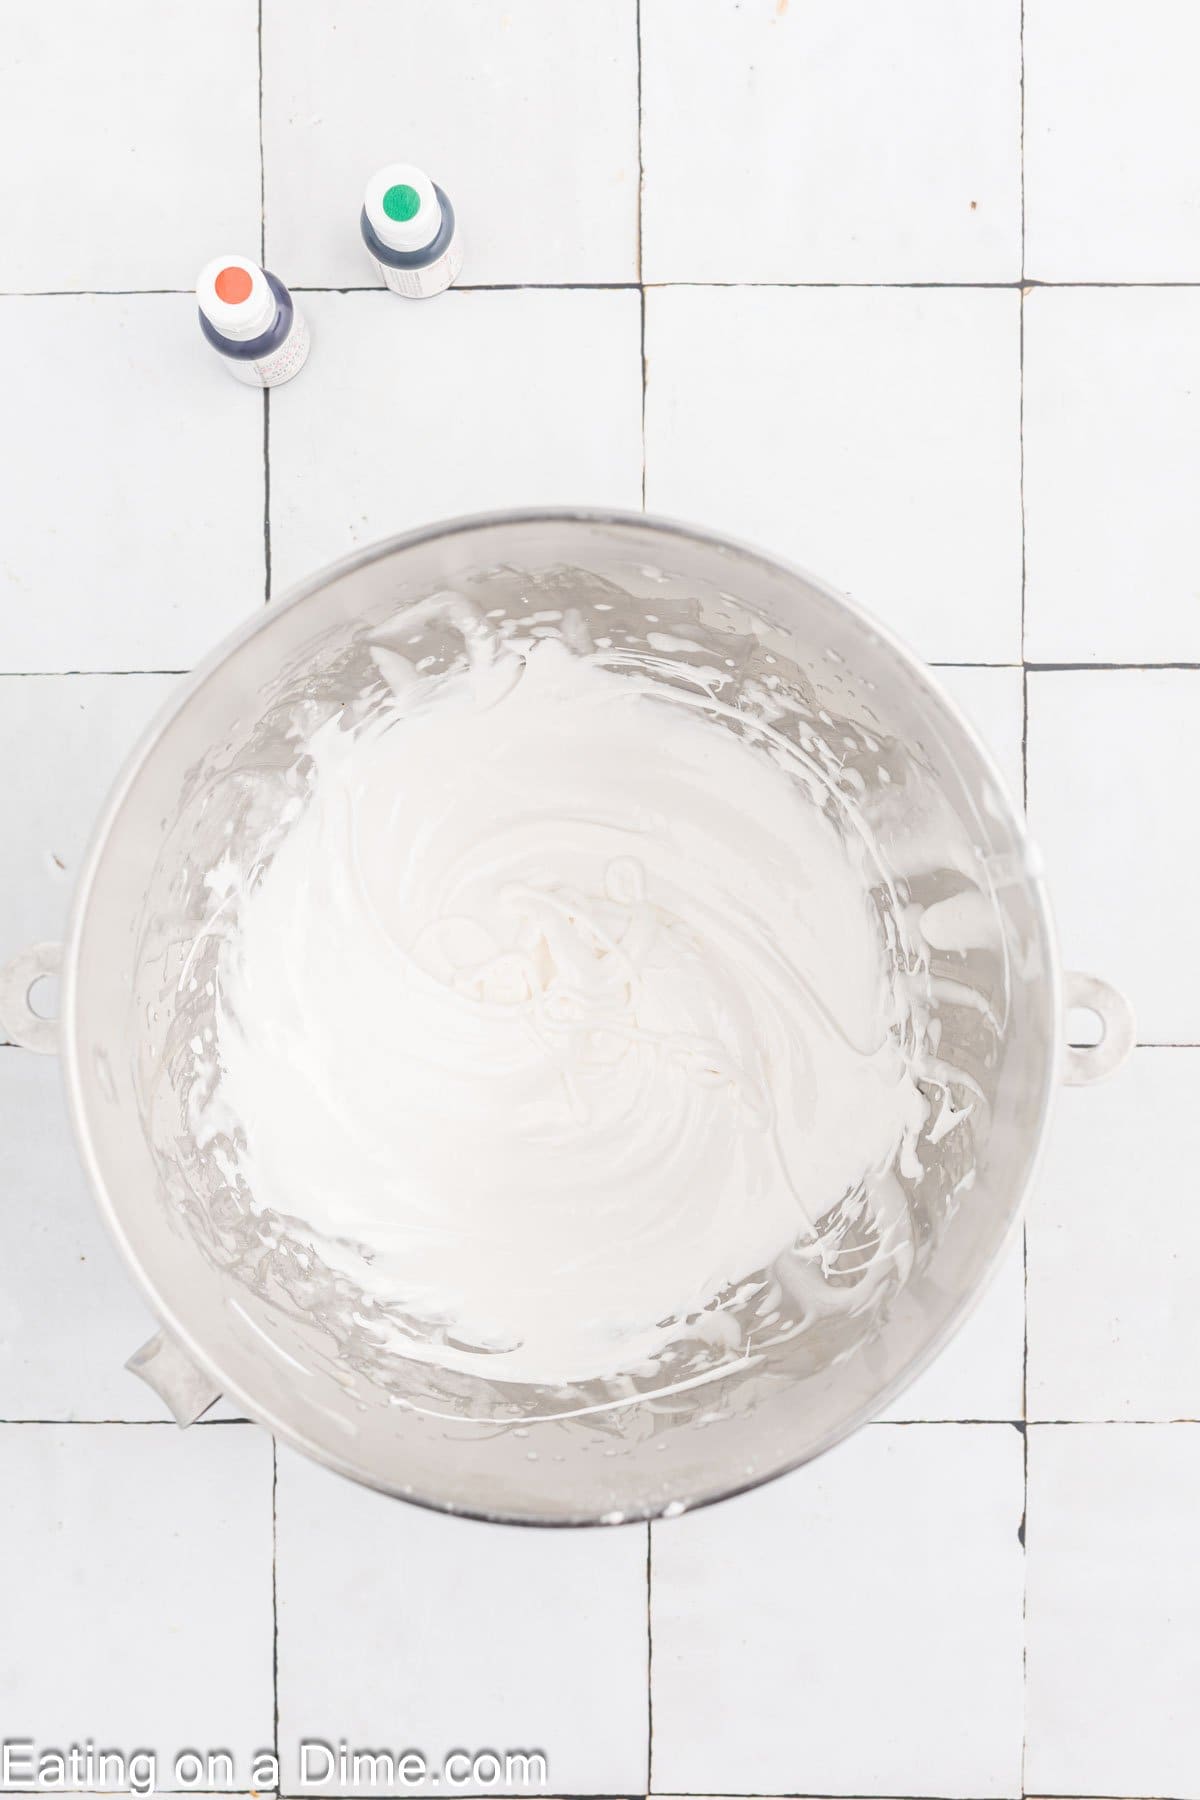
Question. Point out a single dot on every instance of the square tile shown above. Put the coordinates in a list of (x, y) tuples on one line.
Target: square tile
[(1112, 469), (994, 703), (872, 435), (404, 1629), (137, 1560), (378, 435), (66, 737), (831, 140), (69, 1312), (525, 114), (980, 1373), (132, 471), (854, 1628), (1114, 1238), (1113, 1610), (111, 175), (1112, 140), (1112, 762)]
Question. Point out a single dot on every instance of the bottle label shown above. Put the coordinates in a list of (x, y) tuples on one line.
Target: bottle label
[(281, 364), (433, 278)]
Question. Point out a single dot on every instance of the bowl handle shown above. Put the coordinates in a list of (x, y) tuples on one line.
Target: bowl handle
[(175, 1378), (18, 978), (1085, 1063)]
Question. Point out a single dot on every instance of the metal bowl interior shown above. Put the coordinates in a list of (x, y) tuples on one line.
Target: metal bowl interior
[(601, 1455)]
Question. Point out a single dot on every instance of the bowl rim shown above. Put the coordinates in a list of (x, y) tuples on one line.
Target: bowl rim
[(209, 667)]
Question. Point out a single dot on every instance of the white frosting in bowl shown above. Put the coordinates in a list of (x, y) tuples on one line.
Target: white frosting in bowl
[(561, 1009)]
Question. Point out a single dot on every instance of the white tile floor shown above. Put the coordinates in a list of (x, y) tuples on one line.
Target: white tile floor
[(133, 524), (971, 398), (1112, 761), (1114, 1235), (338, 481), (1112, 139), (837, 140), (874, 432), (137, 1578), (839, 1623), (1112, 1609), (1112, 469), (458, 1633)]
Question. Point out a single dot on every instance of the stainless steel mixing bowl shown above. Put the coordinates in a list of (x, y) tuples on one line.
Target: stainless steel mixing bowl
[(254, 1318)]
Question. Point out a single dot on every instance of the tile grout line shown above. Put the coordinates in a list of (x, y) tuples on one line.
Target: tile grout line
[(1023, 1535), (140, 1424), (1100, 668), (275, 1610), (642, 297), (1029, 668), (262, 160), (1023, 1530), (567, 287), (1021, 457), (881, 1424), (641, 182), (266, 496), (267, 594), (262, 257), (649, 1659), (484, 287), (641, 159), (1021, 420)]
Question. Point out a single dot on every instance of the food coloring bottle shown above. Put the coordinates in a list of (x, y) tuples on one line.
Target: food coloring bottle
[(247, 314), (409, 230)]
